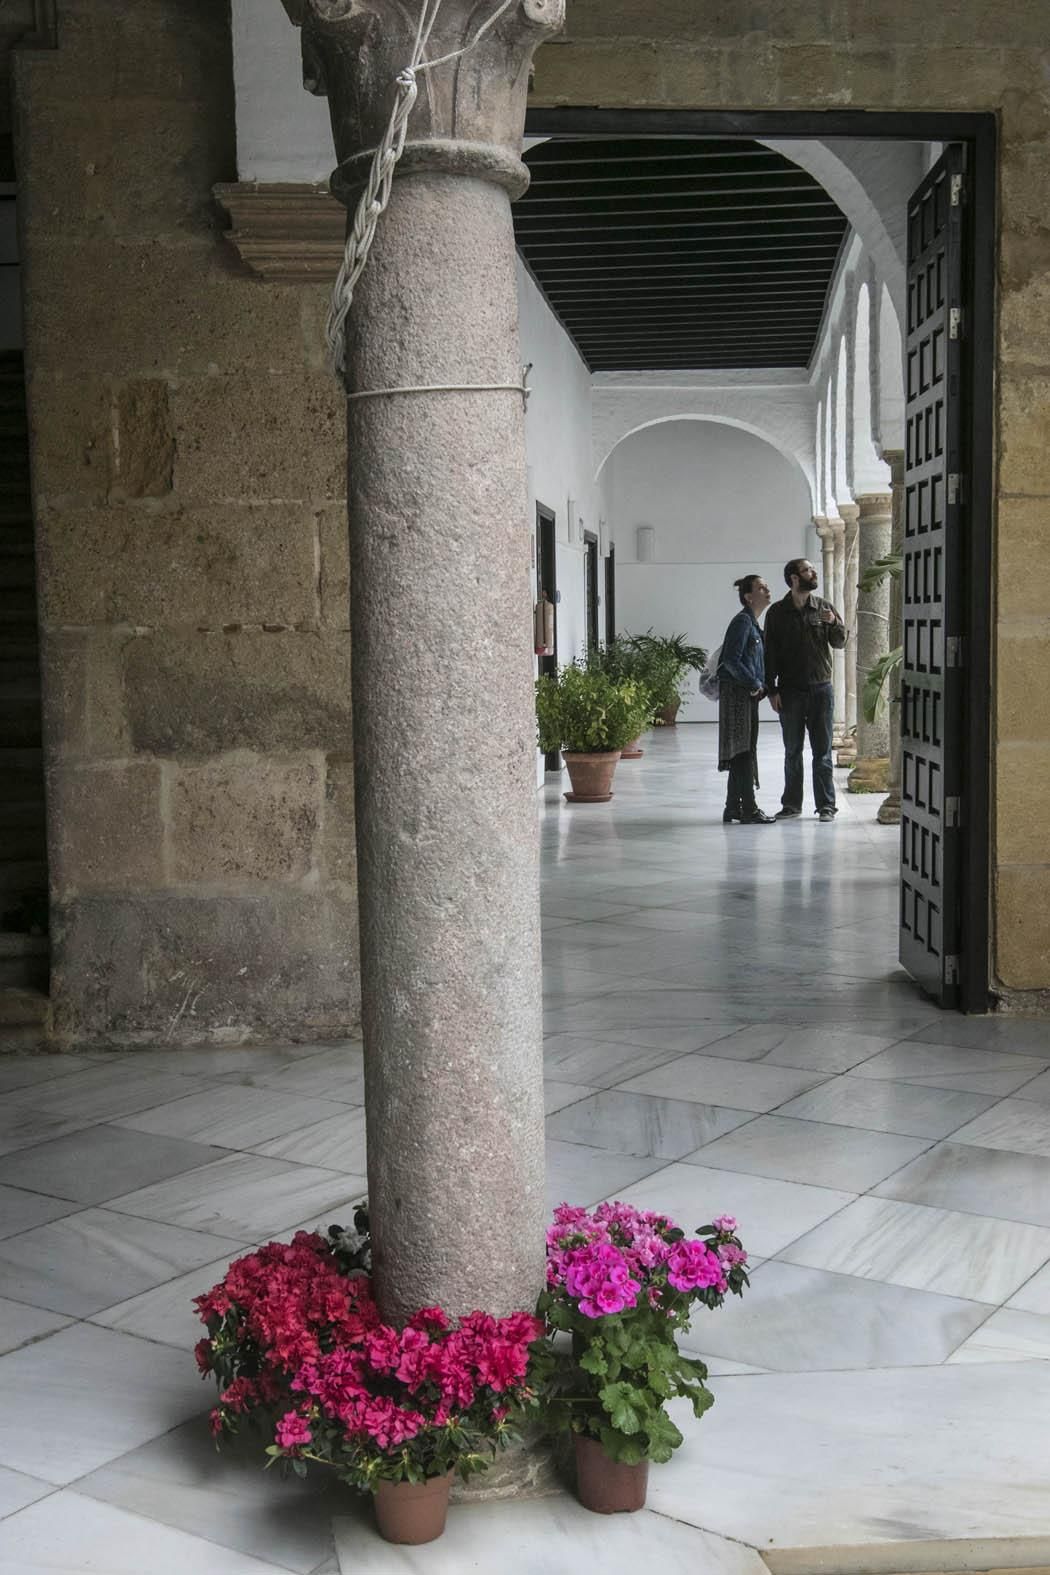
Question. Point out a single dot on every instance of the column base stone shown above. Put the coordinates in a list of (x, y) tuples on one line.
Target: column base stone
[(846, 754), (530, 1469), (870, 774), (890, 809)]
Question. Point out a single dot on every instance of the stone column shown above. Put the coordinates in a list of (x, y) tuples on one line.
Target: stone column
[(850, 514), (890, 808), (444, 730), (838, 657), (871, 772)]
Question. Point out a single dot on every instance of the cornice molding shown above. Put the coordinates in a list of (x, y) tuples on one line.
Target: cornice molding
[(285, 232)]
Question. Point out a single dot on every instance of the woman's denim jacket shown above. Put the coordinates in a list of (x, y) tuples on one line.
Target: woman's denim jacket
[(743, 655)]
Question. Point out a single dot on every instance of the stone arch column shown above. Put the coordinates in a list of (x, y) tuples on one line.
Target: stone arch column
[(444, 733), (837, 527), (850, 514), (874, 536)]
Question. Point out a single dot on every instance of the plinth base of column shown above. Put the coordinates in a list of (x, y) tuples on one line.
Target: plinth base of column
[(587, 798), (890, 810), (525, 1470), (870, 774), (846, 755)]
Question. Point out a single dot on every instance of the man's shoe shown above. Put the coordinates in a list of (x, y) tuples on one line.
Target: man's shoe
[(825, 814), (729, 814), (787, 813), (756, 817)]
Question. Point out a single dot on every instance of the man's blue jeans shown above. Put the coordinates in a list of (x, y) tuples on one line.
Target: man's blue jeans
[(812, 709)]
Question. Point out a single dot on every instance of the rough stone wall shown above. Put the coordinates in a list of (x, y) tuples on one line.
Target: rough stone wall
[(895, 54), (188, 464)]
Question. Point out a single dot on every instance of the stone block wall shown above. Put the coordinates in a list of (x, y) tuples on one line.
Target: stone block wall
[(896, 55), (189, 483)]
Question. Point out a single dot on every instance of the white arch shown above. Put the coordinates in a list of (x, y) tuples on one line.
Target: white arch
[(840, 427), (718, 419), (891, 373), (819, 490), (867, 470)]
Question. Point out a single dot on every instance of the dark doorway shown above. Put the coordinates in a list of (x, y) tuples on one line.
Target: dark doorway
[(591, 594), (547, 587), (610, 596), (952, 885)]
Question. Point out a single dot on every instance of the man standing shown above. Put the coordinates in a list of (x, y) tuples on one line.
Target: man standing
[(801, 632)]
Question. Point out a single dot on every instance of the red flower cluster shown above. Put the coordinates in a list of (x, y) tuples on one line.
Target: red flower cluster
[(296, 1341)]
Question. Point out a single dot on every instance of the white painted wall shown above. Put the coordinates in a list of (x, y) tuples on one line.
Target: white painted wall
[(283, 132), (722, 503)]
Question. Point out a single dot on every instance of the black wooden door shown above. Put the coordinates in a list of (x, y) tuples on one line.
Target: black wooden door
[(591, 593), (936, 489), (610, 596)]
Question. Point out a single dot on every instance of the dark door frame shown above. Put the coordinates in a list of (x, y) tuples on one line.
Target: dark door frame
[(978, 135), (547, 580), (592, 599), (610, 594)]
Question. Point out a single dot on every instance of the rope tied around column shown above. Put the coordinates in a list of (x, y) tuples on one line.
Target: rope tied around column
[(373, 203)]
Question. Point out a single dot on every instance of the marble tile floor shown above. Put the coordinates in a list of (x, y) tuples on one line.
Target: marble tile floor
[(727, 1029)]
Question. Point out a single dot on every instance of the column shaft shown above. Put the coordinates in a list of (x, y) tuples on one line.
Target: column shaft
[(875, 535), (850, 513), (838, 541)]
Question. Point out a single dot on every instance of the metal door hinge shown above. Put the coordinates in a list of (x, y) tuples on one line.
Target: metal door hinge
[(955, 322), (956, 487), (951, 968), (952, 812), (955, 651), (956, 189)]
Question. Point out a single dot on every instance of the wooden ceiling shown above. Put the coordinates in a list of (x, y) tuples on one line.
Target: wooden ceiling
[(679, 253)]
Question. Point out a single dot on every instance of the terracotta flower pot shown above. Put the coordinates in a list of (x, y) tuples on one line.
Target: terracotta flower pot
[(631, 751), (666, 717), (591, 776), (607, 1486), (412, 1512)]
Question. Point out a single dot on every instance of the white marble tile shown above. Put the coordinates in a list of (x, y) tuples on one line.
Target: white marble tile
[(20, 1210), (770, 1213), (739, 1085), (642, 1124), (584, 1176), (225, 1497), (201, 1064), (550, 1536), (105, 1092), (231, 1117), (246, 1196), (99, 1162), (336, 1143), (949, 1066), (866, 1486), (798, 1319), (19, 1323), (1015, 1035), (826, 1049), (68, 1533), (977, 1181), (888, 1107), (1038, 1089), (93, 1394), (22, 1127), (91, 1260), (925, 1248), (337, 1074), (556, 1095), (1010, 1335), (17, 1490), (1034, 1295), (582, 908), (1017, 1125), (823, 1155), (600, 1063), (23, 1071), (166, 1313)]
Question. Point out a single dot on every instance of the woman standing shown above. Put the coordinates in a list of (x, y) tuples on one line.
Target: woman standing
[(742, 675)]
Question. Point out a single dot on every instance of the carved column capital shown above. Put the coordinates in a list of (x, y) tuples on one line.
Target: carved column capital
[(874, 505), (837, 527), (470, 112)]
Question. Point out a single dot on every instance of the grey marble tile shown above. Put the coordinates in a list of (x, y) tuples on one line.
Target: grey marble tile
[(230, 1116), (1015, 1035), (583, 908), (17, 1490), (180, 1481), (925, 1248), (247, 1196), (795, 1319), (21, 1210), (100, 1162), (70, 1532), (105, 1092), (948, 1066), (600, 1063), (166, 1313), (641, 1124), (21, 1127), (93, 1259), (888, 1107), (23, 1071), (95, 1395), (823, 1155), (19, 1323), (337, 1074), (584, 1176), (1008, 1336), (336, 1143), (977, 1181), (1034, 1295), (826, 1049), (1038, 1089), (739, 1085), (556, 1095), (202, 1064), (1019, 1125), (770, 1213)]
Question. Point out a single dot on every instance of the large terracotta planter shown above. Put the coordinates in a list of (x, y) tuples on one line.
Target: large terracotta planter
[(667, 717), (607, 1486), (591, 776), (631, 751), (412, 1512)]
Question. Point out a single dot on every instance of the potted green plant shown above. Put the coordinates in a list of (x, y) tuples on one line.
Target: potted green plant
[(621, 1286), (622, 662), (589, 716), (666, 660)]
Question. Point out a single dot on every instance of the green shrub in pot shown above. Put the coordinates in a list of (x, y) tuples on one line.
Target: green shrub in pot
[(585, 710)]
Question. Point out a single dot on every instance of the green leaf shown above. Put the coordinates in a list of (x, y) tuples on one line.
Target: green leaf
[(664, 1437), (626, 1451), (882, 569), (593, 1361), (875, 682), (626, 1406)]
